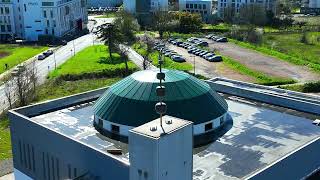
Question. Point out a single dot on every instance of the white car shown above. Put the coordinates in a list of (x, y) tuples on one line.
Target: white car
[(316, 122)]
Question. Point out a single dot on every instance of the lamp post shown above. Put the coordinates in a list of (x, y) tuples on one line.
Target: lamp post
[(194, 64)]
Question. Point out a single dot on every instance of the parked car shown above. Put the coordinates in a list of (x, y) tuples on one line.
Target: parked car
[(222, 39), (209, 36), (208, 55), (316, 122), (203, 54), (41, 57), (178, 59), (191, 50), (216, 58)]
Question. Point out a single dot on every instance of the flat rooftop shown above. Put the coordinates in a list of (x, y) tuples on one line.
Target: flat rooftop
[(259, 135)]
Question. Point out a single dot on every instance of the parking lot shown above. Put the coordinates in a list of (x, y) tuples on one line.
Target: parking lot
[(209, 69), (263, 63)]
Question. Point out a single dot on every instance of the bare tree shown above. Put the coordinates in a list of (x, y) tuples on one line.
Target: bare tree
[(9, 90), (123, 50), (149, 42)]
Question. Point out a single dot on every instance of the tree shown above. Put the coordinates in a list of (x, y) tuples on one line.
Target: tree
[(9, 90), (253, 14), (127, 25), (109, 33), (161, 21), (189, 22), (149, 42)]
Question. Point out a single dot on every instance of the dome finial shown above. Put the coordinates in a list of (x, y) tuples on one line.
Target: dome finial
[(161, 107)]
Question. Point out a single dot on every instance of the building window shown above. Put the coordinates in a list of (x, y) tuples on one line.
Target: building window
[(204, 6), (48, 23), (67, 9), (187, 5), (196, 6), (3, 28), (6, 9), (208, 127), (51, 14), (100, 122), (52, 31), (191, 5), (25, 7), (9, 28), (1, 10), (54, 23), (115, 128), (47, 31), (45, 14)]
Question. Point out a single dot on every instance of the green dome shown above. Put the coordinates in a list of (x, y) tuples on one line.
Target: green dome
[(131, 101)]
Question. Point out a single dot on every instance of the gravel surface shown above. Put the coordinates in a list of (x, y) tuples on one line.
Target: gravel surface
[(264, 63), (6, 167), (210, 69)]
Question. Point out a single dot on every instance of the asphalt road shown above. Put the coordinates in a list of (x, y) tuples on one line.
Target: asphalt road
[(264, 63), (60, 56)]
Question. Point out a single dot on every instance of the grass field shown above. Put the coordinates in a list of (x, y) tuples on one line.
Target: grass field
[(289, 48), (5, 140), (310, 87), (260, 77), (14, 54), (168, 63), (55, 88), (94, 60), (311, 20), (108, 15)]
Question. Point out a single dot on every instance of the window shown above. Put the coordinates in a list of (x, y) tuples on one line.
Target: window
[(115, 128), (3, 28), (47, 3), (19, 9), (187, 5), (51, 14), (54, 23), (191, 5), (52, 31), (208, 126), (25, 7), (47, 31), (67, 9), (48, 23), (1, 10), (196, 6), (204, 6), (9, 28), (6, 9), (45, 14), (100, 122)]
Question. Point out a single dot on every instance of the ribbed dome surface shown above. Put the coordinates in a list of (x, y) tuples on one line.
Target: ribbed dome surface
[(131, 101)]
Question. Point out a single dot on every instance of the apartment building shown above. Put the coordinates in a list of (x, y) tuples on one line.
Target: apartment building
[(7, 28), (50, 17), (310, 7), (144, 6), (235, 5), (203, 7)]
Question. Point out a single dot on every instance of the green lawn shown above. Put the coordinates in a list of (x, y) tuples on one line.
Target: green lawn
[(108, 15), (289, 48), (15, 54), (310, 87), (168, 63), (312, 20), (91, 62), (55, 88), (260, 77), (5, 140)]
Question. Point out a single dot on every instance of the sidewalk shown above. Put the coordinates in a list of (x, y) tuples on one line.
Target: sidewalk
[(7, 177)]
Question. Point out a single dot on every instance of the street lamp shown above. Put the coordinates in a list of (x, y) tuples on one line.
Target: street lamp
[(194, 64)]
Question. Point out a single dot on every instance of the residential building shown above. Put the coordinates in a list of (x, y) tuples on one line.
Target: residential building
[(235, 5), (51, 17), (104, 3), (203, 7), (7, 24), (310, 7), (144, 6), (115, 133)]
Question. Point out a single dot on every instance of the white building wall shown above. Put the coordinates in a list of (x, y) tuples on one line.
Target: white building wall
[(198, 129), (222, 4), (7, 24), (49, 17), (314, 3), (203, 7)]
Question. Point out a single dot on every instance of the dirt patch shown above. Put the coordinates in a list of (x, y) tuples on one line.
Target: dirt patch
[(4, 54), (210, 69), (263, 63)]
